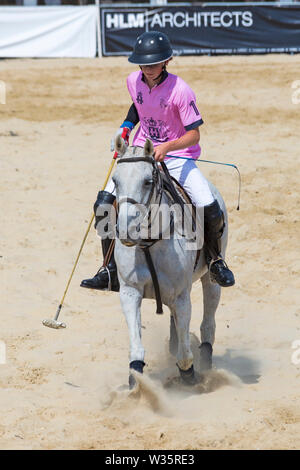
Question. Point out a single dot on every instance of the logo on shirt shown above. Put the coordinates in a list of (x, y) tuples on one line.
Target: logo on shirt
[(157, 130), (163, 103), (139, 98)]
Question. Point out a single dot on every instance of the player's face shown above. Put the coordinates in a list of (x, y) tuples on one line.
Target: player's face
[(152, 71)]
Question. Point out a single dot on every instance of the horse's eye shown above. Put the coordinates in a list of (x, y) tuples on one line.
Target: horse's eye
[(148, 182)]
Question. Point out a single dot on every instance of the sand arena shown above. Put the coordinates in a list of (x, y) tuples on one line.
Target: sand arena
[(67, 389)]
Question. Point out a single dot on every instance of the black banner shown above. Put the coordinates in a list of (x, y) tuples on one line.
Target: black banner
[(205, 30)]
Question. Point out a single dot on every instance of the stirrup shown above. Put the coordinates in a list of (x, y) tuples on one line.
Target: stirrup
[(108, 273)]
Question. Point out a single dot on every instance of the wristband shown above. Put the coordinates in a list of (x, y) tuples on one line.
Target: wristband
[(128, 124)]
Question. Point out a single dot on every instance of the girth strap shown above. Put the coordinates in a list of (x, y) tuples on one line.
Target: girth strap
[(151, 267)]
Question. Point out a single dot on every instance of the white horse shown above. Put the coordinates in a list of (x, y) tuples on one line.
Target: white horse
[(174, 266)]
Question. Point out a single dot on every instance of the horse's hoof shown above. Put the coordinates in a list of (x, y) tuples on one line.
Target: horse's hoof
[(205, 357), (132, 382), (138, 366), (188, 376)]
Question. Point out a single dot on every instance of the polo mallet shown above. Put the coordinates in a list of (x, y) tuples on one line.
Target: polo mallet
[(55, 323)]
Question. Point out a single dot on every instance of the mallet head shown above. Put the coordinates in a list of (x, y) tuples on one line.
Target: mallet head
[(54, 324)]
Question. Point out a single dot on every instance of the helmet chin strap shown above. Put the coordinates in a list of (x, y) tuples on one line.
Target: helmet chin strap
[(163, 70), (158, 76)]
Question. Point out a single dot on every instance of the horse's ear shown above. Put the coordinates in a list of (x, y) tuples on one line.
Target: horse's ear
[(120, 146), (148, 148)]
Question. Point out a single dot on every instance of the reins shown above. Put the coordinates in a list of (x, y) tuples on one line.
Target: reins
[(217, 163)]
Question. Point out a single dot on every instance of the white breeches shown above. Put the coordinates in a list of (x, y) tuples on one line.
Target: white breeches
[(189, 176)]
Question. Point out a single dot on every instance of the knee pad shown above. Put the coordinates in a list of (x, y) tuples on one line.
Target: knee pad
[(104, 198)]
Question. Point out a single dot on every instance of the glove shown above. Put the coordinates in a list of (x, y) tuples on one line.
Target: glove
[(120, 132)]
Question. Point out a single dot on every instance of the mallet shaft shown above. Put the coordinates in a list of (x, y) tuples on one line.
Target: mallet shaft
[(53, 323)]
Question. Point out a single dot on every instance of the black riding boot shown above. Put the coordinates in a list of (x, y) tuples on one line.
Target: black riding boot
[(107, 277), (213, 230)]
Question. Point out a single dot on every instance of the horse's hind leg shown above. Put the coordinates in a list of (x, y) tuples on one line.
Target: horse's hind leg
[(181, 311), (211, 298), (173, 341)]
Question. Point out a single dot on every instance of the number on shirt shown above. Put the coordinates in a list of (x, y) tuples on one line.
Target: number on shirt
[(192, 103)]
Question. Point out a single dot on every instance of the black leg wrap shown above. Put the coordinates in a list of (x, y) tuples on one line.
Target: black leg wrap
[(138, 366), (206, 351), (188, 376)]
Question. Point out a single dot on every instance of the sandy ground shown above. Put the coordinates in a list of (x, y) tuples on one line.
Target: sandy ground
[(67, 389)]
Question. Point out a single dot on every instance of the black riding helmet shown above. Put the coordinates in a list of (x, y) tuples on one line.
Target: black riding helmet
[(151, 48)]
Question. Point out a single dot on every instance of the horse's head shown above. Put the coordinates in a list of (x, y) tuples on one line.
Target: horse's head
[(138, 185)]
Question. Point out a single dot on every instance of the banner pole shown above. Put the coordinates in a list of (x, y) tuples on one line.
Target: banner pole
[(98, 29)]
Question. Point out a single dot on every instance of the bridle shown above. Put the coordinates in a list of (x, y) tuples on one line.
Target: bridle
[(156, 191), (145, 245)]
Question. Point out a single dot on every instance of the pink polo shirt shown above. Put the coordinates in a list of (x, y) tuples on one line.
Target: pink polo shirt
[(166, 112)]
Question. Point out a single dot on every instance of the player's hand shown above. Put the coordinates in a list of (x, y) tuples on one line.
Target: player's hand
[(120, 132), (161, 151)]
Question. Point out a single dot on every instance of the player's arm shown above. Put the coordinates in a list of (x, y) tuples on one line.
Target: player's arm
[(190, 138), (191, 120), (132, 117), (129, 123)]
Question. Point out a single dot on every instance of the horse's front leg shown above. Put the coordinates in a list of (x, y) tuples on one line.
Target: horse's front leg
[(131, 299), (181, 311)]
